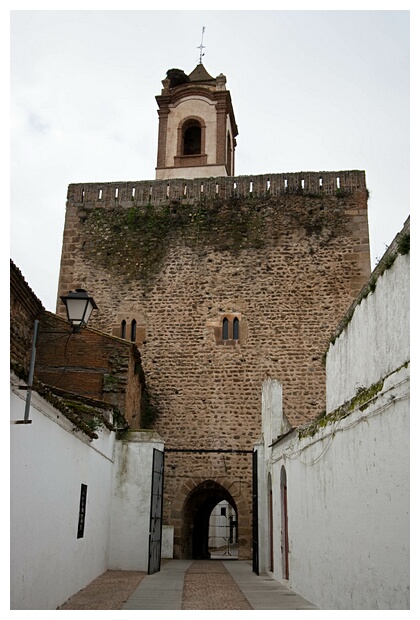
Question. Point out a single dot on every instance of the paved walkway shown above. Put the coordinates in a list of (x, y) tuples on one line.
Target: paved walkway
[(212, 584)]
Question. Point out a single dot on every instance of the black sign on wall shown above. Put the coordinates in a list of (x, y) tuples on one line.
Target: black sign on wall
[(82, 511)]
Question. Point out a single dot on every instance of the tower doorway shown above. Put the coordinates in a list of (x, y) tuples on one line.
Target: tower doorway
[(209, 516)]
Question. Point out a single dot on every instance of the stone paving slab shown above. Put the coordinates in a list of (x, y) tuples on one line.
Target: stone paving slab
[(162, 590), (264, 592)]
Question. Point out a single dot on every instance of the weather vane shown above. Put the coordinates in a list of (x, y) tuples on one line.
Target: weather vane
[(201, 46)]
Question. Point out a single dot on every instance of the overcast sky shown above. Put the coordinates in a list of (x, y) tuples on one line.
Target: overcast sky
[(311, 90)]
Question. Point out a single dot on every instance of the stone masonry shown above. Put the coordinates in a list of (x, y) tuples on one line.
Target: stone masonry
[(278, 258)]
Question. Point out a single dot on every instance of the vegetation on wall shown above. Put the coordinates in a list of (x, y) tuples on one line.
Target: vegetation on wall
[(402, 247), (150, 408), (133, 242), (363, 398)]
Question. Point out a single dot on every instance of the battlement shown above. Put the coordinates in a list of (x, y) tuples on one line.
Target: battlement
[(129, 193)]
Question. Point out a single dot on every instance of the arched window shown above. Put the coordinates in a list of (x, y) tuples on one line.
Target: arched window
[(133, 330), (236, 328), (191, 138), (225, 329), (123, 328)]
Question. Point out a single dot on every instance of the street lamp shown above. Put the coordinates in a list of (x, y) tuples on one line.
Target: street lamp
[(79, 306)]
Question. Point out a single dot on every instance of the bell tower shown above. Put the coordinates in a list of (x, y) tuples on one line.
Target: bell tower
[(197, 127)]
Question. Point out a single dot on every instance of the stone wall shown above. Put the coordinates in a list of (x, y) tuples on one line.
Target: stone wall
[(284, 254)]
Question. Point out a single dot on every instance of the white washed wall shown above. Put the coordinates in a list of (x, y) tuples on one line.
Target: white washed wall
[(130, 516), (273, 425), (48, 464), (376, 341), (348, 496)]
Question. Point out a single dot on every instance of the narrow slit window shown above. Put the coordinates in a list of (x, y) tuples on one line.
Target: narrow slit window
[(133, 192), (236, 328), (133, 330), (100, 194), (116, 192), (123, 329), (82, 511), (338, 182), (302, 183), (225, 329)]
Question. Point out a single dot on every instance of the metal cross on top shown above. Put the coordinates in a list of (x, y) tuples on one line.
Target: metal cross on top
[(201, 46)]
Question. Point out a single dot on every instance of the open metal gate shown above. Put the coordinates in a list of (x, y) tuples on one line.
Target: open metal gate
[(255, 562), (156, 505)]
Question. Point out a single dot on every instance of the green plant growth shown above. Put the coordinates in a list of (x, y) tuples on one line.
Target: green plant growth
[(150, 409), (404, 244), (403, 247), (361, 400), (133, 242)]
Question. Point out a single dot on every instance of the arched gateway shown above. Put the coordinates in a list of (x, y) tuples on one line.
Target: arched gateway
[(197, 499)]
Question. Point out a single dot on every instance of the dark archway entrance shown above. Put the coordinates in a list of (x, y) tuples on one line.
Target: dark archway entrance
[(196, 516)]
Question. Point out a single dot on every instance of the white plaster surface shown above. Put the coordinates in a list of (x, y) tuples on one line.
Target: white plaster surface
[(376, 341), (48, 464), (130, 514), (192, 106), (348, 507), (197, 172)]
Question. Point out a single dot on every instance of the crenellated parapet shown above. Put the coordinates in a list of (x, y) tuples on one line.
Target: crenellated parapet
[(140, 193)]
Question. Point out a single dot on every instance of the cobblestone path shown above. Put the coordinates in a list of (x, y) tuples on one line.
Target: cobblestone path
[(208, 585), (109, 591)]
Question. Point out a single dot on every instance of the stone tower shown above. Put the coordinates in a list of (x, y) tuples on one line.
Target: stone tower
[(222, 283), (197, 127)]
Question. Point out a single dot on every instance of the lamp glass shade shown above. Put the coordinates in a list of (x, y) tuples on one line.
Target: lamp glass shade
[(79, 311), (79, 306)]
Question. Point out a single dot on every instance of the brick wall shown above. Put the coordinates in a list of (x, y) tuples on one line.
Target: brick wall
[(91, 364), (286, 254), (25, 308)]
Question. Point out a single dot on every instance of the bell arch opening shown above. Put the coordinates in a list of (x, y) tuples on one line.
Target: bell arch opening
[(201, 522), (192, 138)]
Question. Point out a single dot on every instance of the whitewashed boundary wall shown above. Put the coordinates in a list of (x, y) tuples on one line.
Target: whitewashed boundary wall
[(48, 465)]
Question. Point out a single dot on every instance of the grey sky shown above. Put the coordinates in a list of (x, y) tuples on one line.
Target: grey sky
[(311, 90)]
